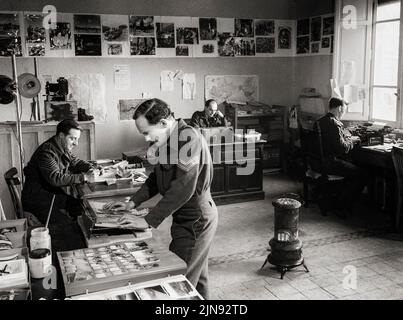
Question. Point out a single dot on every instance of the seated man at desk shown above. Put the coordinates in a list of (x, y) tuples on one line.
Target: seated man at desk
[(337, 143), (51, 171), (209, 117)]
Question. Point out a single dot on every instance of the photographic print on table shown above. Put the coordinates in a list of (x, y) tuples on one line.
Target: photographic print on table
[(328, 26), (34, 28), (179, 288), (264, 27), (326, 42), (208, 48), (226, 44), (265, 45), (187, 36), (303, 27), (9, 27), (142, 46), (284, 37), (182, 51), (88, 45), (316, 28), (60, 38), (85, 23), (315, 47), (152, 293), (165, 35), (208, 28), (4, 231), (244, 28), (141, 26), (303, 45), (115, 30)]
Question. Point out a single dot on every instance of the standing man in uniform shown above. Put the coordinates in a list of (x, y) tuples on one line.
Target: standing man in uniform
[(183, 176), (209, 117)]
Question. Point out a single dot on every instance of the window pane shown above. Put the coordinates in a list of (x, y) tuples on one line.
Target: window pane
[(388, 11), (384, 104), (386, 53)]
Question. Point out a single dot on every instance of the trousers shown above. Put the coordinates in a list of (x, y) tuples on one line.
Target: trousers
[(193, 229)]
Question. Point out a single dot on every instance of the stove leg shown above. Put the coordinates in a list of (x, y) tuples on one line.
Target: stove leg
[(306, 268), (283, 271), (267, 260)]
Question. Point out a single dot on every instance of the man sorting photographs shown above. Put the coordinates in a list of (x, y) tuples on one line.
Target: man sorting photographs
[(51, 171), (182, 175)]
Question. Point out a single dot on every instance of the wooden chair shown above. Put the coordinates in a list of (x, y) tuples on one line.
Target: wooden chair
[(315, 170), (13, 181), (397, 157)]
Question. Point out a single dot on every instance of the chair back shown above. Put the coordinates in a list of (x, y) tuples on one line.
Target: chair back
[(397, 157), (13, 181), (312, 149)]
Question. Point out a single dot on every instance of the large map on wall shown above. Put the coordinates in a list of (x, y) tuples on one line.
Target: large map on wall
[(236, 88)]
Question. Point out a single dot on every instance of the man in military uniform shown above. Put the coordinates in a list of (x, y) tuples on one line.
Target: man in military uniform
[(337, 142), (52, 170), (183, 176), (209, 117)]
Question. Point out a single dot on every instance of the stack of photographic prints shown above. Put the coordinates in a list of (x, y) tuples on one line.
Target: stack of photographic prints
[(15, 294), (171, 288), (13, 274), (87, 35), (315, 35), (9, 27)]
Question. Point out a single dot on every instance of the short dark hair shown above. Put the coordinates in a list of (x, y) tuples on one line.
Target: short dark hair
[(208, 102), (65, 125), (154, 110), (335, 103)]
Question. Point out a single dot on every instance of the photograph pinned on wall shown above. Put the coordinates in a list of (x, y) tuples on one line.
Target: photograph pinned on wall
[(35, 32), (315, 47), (208, 28), (142, 46), (244, 28), (328, 26), (303, 27), (127, 107), (152, 293), (115, 28), (60, 37), (284, 37), (141, 26), (316, 28), (208, 48), (226, 44), (165, 35), (264, 27), (36, 49), (88, 45), (114, 49), (265, 45), (244, 47), (187, 36), (303, 45), (182, 51), (86, 23), (9, 27)]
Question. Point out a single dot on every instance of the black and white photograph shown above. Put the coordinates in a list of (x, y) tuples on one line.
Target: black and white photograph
[(182, 51), (142, 26), (264, 27), (244, 47), (36, 49), (9, 45), (316, 28), (208, 28), (244, 28), (328, 26), (187, 36), (265, 45), (60, 37), (126, 109), (180, 288), (284, 37), (208, 48), (303, 27), (315, 47), (115, 49), (152, 293), (226, 44), (35, 32), (165, 35), (85, 23), (9, 24), (88, 45), (325, 42), (303, 45), (142, 46), (114, 28)]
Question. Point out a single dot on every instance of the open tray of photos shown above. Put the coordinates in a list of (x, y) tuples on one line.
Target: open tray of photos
[(168, 288), (95, 269)]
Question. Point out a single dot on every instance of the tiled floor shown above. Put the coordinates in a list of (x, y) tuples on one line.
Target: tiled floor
[(357, 258)]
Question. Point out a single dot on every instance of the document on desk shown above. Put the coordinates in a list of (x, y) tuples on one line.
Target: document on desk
[(386, 147)]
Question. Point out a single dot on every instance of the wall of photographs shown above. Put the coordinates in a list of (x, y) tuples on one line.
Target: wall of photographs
[(119, 36)]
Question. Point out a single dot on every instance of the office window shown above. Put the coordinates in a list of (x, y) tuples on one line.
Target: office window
[(385, 61)]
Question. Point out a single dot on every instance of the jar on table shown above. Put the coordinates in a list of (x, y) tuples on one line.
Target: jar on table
[(40, 263), (40, 239)]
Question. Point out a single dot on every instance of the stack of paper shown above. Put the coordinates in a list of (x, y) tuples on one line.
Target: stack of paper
[(13, 274)]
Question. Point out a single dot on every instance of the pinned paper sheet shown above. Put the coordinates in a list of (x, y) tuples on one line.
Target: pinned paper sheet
[(189, 86), (121, 73), (347, 72), (350, 93), (335, 89), (167, 80)]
